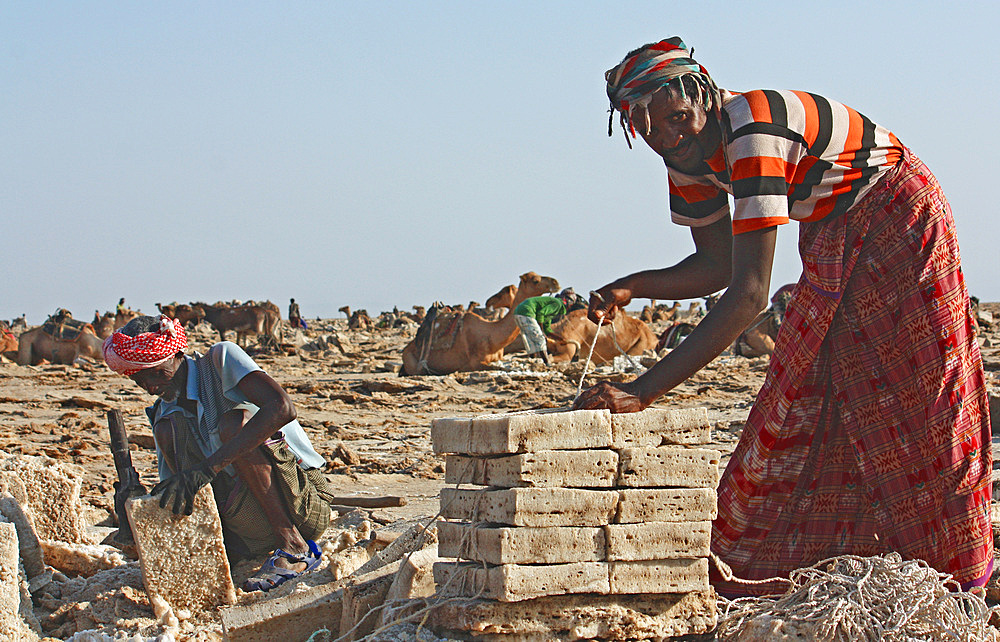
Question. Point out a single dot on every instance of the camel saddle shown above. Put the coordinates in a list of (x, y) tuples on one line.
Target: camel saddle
[(437, 332), (444, 330), (65, 329)]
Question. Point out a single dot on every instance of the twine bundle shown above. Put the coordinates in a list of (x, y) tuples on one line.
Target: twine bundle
[(850, 598)]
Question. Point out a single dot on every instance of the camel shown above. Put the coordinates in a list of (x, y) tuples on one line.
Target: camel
[(572, 336), (169, 309), (360, 321), (663, 313), (269, 305), (272, 324), (653, 313), (59, 344), (759, 337), (475, 341), (503, 299), (693, 313), (8, 342), (244, 320), (387, 319), (123, 316), (188, 315), (104, 324)]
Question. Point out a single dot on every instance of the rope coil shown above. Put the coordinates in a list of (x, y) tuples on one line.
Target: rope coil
[(852, 598)]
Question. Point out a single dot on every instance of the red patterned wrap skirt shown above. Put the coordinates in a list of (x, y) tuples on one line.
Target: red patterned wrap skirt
[(871, 432)]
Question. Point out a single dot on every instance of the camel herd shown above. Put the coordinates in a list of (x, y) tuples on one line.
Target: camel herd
[(63, 339), (448, 338), (461, 341)]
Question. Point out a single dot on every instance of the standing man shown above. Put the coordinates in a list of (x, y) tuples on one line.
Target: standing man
[(294, 316), (221, 420), (871, 432)]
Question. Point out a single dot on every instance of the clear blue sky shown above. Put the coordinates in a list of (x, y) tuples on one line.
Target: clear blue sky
[(375, 154)]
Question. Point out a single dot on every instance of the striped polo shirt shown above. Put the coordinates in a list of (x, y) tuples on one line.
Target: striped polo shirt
[(789, 155)]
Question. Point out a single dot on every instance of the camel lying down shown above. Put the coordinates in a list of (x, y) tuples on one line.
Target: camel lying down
[(448, 343), (573, 335)]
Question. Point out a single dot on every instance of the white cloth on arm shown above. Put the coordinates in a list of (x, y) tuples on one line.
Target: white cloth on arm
[(232, 364)]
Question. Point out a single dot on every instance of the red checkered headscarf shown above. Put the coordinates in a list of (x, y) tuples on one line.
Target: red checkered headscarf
[(128, 355)]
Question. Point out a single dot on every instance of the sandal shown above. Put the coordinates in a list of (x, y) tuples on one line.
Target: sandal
[(270, 576)]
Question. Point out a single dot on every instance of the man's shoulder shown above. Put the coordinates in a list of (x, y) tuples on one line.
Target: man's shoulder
[(226, 347), (774, 106), (227, 353)]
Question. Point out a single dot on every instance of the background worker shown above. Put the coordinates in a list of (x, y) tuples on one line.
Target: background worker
[(294, 316), (221, 420), (535, 315)]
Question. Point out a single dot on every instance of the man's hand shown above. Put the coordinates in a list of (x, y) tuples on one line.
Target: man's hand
[(616, 397), (183, 487), (604, 303)]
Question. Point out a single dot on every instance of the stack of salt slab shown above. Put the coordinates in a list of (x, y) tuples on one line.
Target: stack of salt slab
[(581, 525)]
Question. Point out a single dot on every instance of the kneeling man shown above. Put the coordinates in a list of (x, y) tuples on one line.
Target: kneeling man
[(221, 420)]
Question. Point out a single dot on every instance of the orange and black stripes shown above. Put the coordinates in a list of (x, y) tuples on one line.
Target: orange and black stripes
[(788, 155)]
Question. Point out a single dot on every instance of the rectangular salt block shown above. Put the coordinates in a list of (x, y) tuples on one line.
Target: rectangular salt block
[(555, 468), (669, 466), (568, 617), (522, 432), (520, 545), (531, 506), (642, 505), (183, 558), (658, 540), (52, 495), (659, 426), (515, 582), (291, 617), (659, 576)]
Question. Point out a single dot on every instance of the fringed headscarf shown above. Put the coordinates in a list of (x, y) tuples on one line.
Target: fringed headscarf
[(635, 79), (128, 355)]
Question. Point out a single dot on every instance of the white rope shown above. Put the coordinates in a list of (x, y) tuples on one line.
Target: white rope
[(586, 365), (593, 344), (727, 574), (614, 337), (850, 598)]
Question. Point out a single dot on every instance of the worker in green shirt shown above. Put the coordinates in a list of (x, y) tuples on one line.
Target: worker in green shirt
[(535, 316)]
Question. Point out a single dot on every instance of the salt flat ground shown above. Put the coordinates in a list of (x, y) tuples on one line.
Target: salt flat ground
[(372, 426)]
